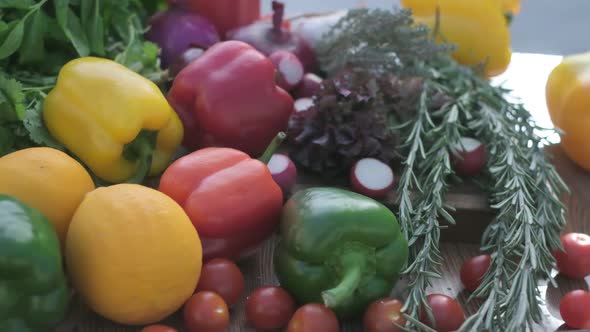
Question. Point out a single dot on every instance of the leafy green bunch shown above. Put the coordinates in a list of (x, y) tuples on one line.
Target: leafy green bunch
[(37, 37)]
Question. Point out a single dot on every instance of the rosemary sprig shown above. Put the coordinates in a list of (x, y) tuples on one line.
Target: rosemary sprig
[(529, 219), (431, 134)]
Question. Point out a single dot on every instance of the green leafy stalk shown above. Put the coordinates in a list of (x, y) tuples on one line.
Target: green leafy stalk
[(377, 41), (440, 132), (525, 192)]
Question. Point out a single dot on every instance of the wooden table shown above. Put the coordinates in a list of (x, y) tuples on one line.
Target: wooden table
[(259, 269)]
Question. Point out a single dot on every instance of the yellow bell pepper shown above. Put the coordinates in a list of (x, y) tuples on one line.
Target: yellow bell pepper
[(568, 101), (478, 29), (115, 120)]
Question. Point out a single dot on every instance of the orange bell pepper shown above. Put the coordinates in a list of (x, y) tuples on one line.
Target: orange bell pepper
[(568, 102), (478, 29)]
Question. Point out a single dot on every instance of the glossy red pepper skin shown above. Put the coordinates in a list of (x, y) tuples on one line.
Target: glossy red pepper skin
[(228, 97), (231, 199)]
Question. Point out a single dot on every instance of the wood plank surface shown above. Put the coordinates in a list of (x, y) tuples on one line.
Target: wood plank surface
[(456, 248)]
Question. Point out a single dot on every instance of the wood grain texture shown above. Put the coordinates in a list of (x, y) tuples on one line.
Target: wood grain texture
[(458, 247)]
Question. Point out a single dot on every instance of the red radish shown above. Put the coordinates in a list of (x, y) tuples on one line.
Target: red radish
[(472, 157), (303, 104), (371, 177), (289, 69), (269, 37), (309, 86), (283, 171)]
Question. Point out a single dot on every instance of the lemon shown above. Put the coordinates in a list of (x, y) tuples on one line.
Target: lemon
[(133, 254), (48, 180)]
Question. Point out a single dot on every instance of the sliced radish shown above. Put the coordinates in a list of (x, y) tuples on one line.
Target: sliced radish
[(309, 86), (303, 104), (283, 171), (372, 178), (471, 158), (289, 68)]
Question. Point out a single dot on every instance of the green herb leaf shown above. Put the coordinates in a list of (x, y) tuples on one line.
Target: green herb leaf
[(71, 26), (33, 46), (38, 133), (11, 100), (140, 56), (54, 31), (13, 40), (17, 4), (6, 140), (61, 12), (92, 22)]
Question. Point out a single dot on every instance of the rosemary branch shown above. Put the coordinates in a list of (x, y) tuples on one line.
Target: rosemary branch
[(530, 216), (420, 223)]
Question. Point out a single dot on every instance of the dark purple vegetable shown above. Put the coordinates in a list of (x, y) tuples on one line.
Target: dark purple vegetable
[(270, 37), (175, 31)]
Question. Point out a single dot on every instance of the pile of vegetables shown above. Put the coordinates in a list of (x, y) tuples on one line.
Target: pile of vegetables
[(139, 145)]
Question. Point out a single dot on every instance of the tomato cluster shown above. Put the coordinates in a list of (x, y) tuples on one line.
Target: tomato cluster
[(222, 285), (574, 262)]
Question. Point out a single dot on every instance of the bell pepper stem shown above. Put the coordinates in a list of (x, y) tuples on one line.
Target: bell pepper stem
[(141, 149), (273, 147), (145, 163), (353, 264)]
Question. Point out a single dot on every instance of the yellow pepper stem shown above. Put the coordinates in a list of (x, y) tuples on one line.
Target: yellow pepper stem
[(141, 149)]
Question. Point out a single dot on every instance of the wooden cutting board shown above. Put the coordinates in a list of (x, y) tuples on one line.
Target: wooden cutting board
[(460, 243)]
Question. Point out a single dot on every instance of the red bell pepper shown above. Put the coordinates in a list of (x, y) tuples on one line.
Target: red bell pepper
[(232, 199), (228, 97)]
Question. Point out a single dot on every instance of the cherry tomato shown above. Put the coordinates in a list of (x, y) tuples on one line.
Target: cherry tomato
[(448, 314), (312, 318), (158, 328), (574, 309), (575, 261), (384, 315), (223, 277), (473, 270), (269, 308), (206, 311)]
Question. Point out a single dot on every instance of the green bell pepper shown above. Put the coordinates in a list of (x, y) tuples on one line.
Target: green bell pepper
[(33, 290), (338, 248)]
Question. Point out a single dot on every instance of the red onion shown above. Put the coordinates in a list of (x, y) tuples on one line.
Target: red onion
[(175, 31), (271, 37)]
